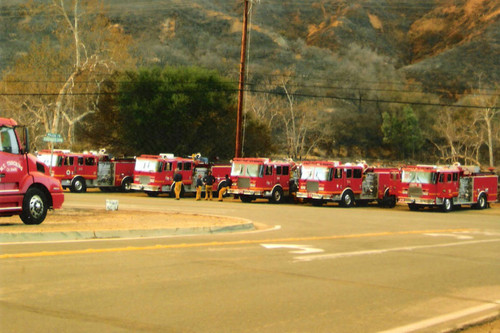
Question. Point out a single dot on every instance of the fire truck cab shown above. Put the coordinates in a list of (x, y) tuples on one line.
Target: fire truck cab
[(26, 189), (79, 171), (447, 187), (154, 174), (254, 178), (324, 181)]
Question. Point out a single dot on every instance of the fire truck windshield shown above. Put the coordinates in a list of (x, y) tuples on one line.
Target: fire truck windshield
[(249, 170), (314, 173), (45, 159), (418, 177), (146, 165)]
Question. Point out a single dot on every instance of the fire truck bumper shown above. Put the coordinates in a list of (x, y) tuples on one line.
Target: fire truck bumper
[(318, 196), (245, 192), (418, 201), (141, 187), (306, 195)]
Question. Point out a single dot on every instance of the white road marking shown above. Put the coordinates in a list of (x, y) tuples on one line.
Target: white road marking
[(444, 318), (299, 249), (394, 249), (457, 236)]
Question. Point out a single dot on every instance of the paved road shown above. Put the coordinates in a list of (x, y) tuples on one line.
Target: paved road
[(316, 269)]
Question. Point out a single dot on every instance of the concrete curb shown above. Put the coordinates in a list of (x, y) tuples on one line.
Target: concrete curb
[(113, 234)]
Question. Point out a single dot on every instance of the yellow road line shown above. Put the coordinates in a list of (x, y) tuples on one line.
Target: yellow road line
[(211, 244)]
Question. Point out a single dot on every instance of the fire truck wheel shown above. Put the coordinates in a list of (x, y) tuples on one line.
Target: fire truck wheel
[(34, 207), (482, 202), (317, 202), (413, 207), (78, 185), (447, 205), (246, 198), (277, 195), (347, 199), (126, 185), (152, 194), (388, 201), (362, 203)]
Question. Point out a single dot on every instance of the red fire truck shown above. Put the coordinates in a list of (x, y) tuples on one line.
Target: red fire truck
[(26, 189), (447, 187), (323, 181), (154, 174), (254, 178), (79, 171)]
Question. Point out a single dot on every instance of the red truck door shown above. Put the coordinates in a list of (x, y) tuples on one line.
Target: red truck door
[(87, 167), (13, 168), (447, 187), (68, 166), (269, 176), (186, 170), (282, 176), (348, 178)]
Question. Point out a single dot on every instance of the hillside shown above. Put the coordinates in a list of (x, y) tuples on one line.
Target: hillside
[(444, 42), (447, 42)]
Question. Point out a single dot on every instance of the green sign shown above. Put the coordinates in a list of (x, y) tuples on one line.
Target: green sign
[(53, 137)]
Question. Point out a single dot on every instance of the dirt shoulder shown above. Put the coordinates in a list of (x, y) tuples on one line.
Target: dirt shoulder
[(75, 219)]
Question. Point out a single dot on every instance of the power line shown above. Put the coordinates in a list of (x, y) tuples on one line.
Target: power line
[(363, 87), (280, 93)]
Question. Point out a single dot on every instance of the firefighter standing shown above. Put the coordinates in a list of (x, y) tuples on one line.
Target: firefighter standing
[(178, 184), (227, 184), (199, 185), (209, 181)]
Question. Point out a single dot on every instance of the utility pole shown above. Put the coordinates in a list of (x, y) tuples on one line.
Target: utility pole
[(241, 83)]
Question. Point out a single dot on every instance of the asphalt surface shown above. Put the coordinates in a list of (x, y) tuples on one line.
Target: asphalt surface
[(75, 222), (364, 269)]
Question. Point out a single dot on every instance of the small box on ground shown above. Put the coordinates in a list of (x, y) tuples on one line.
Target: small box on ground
[(112, 205)]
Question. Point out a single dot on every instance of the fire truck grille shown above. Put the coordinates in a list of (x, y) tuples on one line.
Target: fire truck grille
[(243, 182), (144, 180), (415, 192), (312, 187)]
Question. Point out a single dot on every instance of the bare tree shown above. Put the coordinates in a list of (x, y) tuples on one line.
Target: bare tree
[(486, 115), (299, 118), (86, 48), (458, 137)]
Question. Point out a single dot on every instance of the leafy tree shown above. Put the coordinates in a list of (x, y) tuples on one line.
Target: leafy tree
[(401, 130), (181, 110)]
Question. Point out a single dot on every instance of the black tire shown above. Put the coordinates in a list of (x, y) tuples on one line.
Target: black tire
[(413, 207), (388, 201), (246, 198), (126, 185), (447, 205), (152, 194), (35, 206), (482, 202), (391, 202), (78, 185), (277, 195), (362, 203), (317, 202), (347, 199)]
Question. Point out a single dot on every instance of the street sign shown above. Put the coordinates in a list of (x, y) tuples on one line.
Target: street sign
[(53, 137)]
